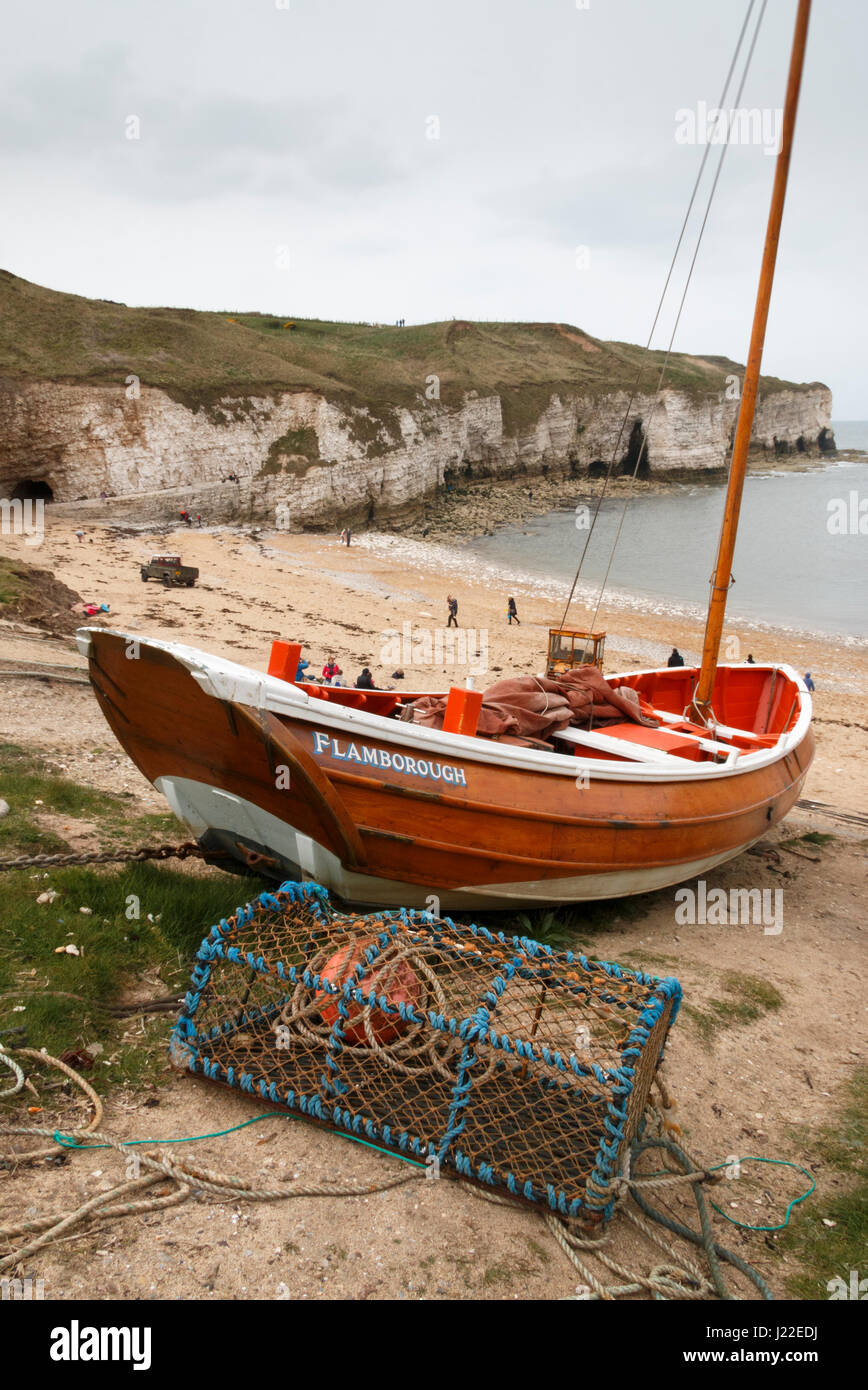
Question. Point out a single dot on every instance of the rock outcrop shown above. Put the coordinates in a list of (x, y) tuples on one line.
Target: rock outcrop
[(317, 461)]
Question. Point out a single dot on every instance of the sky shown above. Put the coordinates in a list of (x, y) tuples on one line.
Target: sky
[(429, 159)]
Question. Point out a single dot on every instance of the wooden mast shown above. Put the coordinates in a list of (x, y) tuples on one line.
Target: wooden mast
[(701, 705)]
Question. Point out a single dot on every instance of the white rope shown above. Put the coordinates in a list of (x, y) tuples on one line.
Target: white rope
[(15, 1070)]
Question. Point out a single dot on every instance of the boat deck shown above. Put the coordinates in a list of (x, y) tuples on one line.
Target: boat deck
[(752, 695)]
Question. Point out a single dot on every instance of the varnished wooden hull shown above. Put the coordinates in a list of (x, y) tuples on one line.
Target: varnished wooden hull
[(255, 767)]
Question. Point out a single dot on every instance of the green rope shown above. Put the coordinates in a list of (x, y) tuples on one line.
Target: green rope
[(714, 1252), (781, 1162), (66, 1141)]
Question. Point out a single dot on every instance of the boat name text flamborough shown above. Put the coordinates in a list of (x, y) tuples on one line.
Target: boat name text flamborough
[(399, 762)]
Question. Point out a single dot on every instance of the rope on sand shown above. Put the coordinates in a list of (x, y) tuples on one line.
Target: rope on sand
[(670, 1281), (182, 1181), (40, 1055), (46, 675)]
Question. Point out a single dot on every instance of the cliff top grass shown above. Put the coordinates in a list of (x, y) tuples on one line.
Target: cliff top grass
[(199, 356)]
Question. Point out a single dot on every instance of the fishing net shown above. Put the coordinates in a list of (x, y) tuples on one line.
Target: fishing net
[(496, 1059)]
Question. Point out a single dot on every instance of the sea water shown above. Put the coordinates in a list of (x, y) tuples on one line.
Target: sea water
[(793, 566)]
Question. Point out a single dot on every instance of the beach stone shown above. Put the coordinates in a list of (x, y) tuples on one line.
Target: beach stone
[(4, 808)]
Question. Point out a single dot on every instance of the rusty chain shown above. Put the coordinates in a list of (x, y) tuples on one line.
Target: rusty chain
[(188, 850)]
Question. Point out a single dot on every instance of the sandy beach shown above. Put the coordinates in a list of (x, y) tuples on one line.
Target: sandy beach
[(356, 603), (759, 1087)]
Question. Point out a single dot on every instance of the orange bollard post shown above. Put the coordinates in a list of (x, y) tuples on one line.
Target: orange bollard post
[(284, 660), (462, 711)]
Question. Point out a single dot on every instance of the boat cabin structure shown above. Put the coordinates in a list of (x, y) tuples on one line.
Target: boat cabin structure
[(568, 648)]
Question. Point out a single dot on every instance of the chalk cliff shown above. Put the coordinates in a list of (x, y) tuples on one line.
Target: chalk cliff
[(331, 422), (323, 460)]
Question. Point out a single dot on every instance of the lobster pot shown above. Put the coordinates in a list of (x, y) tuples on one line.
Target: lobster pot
[(492, 1058)]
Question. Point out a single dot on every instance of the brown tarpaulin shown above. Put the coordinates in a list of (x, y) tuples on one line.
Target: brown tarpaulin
[(535, 707)]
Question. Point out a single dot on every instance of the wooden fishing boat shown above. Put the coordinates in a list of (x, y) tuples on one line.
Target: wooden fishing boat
[(331, 784)]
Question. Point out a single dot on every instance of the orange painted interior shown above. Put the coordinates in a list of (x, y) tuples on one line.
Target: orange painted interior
[(747, 698)]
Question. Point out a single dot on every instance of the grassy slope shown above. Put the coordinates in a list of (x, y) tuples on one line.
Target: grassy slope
[(34, 596), (61, 1000), (198, 355)]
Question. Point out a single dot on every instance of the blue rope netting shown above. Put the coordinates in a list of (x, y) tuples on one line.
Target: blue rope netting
[(543, 1122)]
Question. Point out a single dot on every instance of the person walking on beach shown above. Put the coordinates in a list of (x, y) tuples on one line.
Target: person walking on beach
[(365, 681), (344, 536), (511, 613), (331, 670), (452, 605), (675, 659), (349, 535), (808, 682)]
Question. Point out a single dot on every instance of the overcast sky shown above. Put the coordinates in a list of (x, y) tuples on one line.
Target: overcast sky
[(285, 163)]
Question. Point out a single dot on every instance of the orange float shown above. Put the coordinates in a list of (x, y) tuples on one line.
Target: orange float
[(396, 979)]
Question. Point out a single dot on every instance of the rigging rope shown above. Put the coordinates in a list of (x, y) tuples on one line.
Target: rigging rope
[(691, 268), (647, 347)]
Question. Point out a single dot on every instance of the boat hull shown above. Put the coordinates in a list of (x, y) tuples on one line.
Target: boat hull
[(305, 791), (222, 823)]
